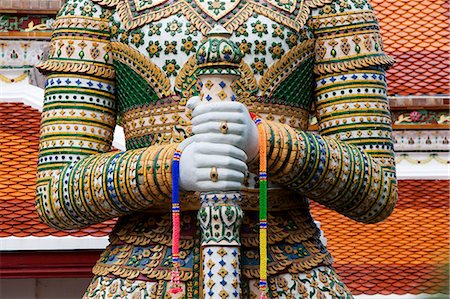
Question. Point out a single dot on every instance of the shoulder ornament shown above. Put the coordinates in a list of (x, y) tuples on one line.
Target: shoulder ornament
[(157, 79), (293, 14), (285, 66)]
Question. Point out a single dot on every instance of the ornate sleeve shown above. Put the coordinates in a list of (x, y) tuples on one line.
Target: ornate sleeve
[(349, 166), (79, 182)]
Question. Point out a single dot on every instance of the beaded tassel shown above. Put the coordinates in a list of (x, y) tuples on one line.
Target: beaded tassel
[(176, 291), (262, 208)]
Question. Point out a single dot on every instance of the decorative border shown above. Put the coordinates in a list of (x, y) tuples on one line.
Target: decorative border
[(345, 66), (25, 23), (421, 117), (17, 79), (241, 15), (20, 53), (421, 141), (431, 157), (100, 70)]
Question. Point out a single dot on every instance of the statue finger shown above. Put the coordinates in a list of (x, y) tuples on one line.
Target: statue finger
[(217, 127), (222, 174), (230, 117), (218, 106), (230, 139), (208, 186), (222, 150), (205, 161), (193, 102)]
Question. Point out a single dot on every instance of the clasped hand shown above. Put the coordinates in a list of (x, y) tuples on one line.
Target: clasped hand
[(225, 137)]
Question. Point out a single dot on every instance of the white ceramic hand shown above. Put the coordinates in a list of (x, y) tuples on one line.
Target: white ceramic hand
[(242, 131), (209, 147), (198, 159)]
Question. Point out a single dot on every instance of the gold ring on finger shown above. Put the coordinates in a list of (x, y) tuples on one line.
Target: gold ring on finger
[(214, 175), (223, 127)]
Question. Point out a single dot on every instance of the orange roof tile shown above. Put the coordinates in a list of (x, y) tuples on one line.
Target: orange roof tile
[(19, 137), (416, 34), (405, 254)]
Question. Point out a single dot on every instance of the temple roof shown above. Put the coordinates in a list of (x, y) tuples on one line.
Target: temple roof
[(405, 254), (19, 142), (416, 34)]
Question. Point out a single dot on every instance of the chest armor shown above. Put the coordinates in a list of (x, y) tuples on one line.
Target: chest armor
[(154, 45)]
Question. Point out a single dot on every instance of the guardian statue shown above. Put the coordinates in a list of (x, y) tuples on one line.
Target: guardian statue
[(189, 72)]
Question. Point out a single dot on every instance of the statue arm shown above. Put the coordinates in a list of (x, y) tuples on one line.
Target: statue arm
[(349, 167), (78, 181)]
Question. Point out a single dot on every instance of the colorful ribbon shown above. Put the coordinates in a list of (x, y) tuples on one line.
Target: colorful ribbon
[(262, 208), (176, 290)]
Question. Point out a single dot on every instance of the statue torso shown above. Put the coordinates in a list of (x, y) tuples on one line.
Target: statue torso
[(153, 51), (154, 45)]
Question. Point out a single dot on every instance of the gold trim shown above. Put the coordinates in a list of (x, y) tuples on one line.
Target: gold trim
[(83, 67), (297, 23), (321, 23), (182, 82), (343, 14), (242, 15), (64, 17), (78, 76), (243, 87), (344, 66), (195, 19), (81, 90), (247, 83), (101, 36), (280, 18), (292, 266), (110, 3), (124, 12), (239, 18), (306, 9), (142, 66), (13, 80)]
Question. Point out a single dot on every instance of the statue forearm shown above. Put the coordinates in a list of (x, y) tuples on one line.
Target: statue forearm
[(350, 166), (333, 173), (79, 183), (104, 186)]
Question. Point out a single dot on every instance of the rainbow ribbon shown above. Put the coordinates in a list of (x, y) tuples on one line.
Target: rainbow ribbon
[(176, 290), (262, 208)]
